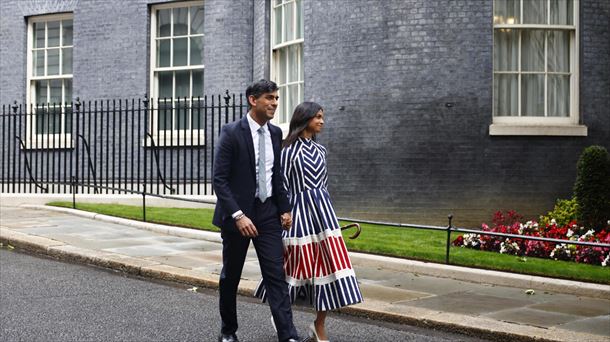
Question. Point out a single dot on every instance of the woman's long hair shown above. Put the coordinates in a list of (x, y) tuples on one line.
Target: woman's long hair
[(303, 113)]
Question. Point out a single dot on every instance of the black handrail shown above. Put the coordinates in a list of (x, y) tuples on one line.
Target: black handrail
[(28, 168), (91, 168)]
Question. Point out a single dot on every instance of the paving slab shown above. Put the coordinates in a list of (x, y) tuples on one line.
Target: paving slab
[(537, 318), (595, 325), (468, 303)]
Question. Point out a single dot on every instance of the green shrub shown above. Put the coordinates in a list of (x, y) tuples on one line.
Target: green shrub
[(563, 212), (592, 188)]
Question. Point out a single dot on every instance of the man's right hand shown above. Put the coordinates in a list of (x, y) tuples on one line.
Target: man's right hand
[(246, 227)]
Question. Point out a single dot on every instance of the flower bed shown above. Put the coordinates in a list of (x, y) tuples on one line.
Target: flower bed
[(510, 223)]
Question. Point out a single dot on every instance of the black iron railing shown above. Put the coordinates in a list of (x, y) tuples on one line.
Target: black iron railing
[(158, 147), (450, 228)]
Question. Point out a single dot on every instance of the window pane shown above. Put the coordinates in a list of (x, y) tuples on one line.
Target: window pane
[(41, 120), (532, 50), (55, 92), (289, 22), (196, 51), (66, 61), (301, 64), (505, 95), (534, 12), (41, 91), (293, 94), (163, 23), (278, 26), (183, 83), (281, 70), (39, 35), (197, 83), (53, 33), (165, 84), (559, 51), (293, 67), (163, 52), (38, 60), (532, 95), (164, 115), (54, 121), (299, 5), (283, 104), (559, 95), (197, 20), (562, 12), (67, 91), (197, 112), (181, 20), (506, 12), (180, 51), (53, 62), (506, 50), (181, 111), (67, 32)]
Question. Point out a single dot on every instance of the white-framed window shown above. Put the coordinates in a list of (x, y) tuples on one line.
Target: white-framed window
[(176, 72), (287, 56), (535, 68), (49, 81)]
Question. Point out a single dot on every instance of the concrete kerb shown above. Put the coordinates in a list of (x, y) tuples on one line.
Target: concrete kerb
[(403, 265)]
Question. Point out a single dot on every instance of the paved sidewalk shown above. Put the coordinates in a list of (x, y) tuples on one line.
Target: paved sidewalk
[(483, 303)]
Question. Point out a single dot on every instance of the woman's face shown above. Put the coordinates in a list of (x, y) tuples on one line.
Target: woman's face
[(316, 123)]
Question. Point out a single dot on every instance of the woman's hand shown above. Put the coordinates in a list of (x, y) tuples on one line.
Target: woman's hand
[(286, 220)]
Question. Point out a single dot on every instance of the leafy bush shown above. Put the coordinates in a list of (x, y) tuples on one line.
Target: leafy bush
[(563, 213), (592, 188)]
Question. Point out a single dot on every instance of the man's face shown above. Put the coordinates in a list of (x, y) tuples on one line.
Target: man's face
[(263, 108)]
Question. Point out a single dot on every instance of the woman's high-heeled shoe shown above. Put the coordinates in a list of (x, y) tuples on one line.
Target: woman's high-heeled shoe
[(314, 334)]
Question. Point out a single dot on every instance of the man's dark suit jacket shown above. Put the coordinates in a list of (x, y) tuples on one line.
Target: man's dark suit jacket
[(235, 174)]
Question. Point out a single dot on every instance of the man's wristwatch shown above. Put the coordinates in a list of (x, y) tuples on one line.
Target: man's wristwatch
[(239, 217)]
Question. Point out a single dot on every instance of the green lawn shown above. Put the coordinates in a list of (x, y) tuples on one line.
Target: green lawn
[(407, 243)]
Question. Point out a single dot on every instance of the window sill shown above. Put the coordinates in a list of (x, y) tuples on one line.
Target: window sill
[(537, 130), (50, 142), (167, 141)]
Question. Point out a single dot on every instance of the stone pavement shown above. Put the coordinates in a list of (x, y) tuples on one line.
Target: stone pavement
[(483, 303)]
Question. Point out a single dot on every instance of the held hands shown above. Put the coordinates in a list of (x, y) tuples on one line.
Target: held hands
[(246, 227), (286, 220)]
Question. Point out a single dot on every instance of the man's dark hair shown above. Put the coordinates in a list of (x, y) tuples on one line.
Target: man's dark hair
[(259, 88)]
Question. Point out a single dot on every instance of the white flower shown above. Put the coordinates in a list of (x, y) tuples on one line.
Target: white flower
[(606, 261), (569, 233), (553, 221)]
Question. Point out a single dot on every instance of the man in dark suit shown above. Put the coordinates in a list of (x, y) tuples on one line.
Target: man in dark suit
[(252, 204)]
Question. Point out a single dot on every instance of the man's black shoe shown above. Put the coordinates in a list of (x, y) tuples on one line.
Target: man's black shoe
[(227, 338)]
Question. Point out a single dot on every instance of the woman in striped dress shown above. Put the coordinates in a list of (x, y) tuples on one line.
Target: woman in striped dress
[(316, 261)]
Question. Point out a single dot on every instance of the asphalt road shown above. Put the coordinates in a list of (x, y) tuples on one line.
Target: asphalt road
[(43, 299)]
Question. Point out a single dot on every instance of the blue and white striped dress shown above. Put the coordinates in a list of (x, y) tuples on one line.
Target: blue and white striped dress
[(316, 261)]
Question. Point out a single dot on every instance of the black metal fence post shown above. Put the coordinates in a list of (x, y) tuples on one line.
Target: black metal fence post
[(145, 135), (450, 217), (73, 186)]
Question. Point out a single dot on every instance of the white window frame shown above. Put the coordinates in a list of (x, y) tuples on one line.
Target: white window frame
[(33, 139), (171, 137), (542, 125), (275, 62)]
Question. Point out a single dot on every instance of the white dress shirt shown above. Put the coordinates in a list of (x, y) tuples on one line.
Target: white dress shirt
[(269, 158)]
